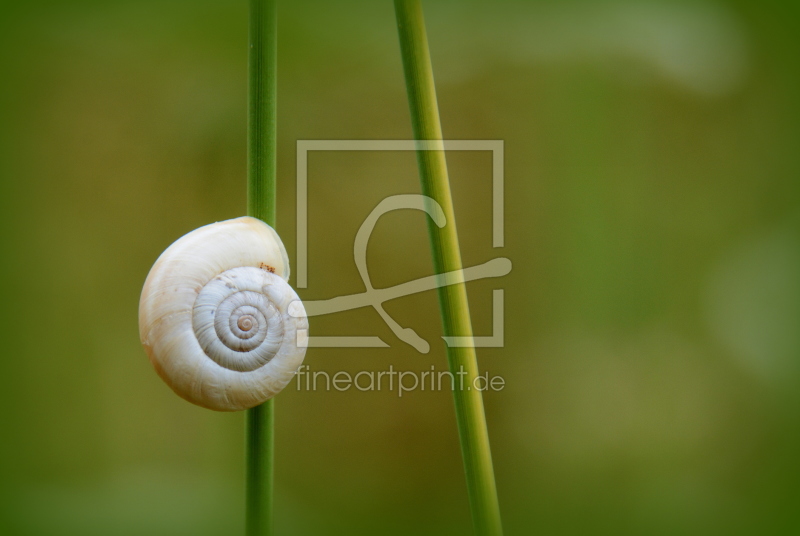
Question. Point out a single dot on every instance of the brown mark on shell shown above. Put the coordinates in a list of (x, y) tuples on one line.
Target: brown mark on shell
[(266, 267)]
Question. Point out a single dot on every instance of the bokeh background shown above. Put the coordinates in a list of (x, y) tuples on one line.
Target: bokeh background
[(652, 350)]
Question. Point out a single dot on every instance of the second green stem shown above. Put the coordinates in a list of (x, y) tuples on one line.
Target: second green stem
[(472, 430)]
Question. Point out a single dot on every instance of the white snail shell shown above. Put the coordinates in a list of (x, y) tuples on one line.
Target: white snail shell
[(218, 319)]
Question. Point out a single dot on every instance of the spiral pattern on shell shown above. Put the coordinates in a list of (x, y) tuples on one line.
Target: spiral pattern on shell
[(219, 321)]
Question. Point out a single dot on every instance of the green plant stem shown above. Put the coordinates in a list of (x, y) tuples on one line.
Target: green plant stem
[(262, 110), (456, 321), (261, 172)]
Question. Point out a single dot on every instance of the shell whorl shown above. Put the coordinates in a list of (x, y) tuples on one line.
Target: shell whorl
[(218, 319)]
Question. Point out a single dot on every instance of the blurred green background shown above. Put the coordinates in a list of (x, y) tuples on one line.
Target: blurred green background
[(652, 350)]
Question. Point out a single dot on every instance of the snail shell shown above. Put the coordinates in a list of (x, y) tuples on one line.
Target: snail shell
[(218, 319)]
